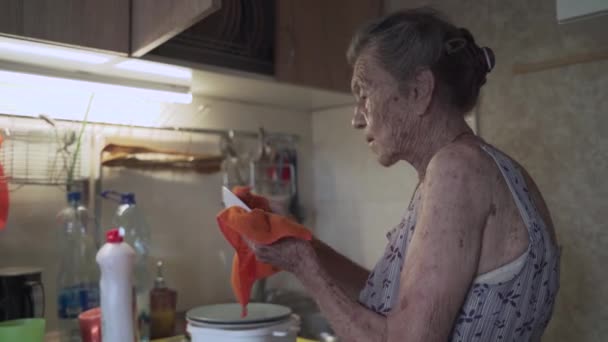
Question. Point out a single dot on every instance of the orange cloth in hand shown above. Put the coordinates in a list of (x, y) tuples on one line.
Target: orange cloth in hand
[(258, 226), (3, 196)]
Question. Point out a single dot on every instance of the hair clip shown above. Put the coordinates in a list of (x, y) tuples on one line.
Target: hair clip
[(489, 58)]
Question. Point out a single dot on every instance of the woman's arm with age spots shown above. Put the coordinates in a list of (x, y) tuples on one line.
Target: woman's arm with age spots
[(347, 274), (443, 257), (441, 263)]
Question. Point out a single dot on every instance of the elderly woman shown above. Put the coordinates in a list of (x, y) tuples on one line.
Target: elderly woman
[(475, 256)]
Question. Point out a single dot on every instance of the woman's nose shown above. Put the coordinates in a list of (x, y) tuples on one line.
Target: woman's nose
[(359, 121)]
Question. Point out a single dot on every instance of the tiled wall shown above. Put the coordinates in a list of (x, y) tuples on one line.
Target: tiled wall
[(180, 208)]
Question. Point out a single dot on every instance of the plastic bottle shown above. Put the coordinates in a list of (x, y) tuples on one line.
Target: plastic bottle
[(163, 302), (131, 222), (116, 260), (78, 277)]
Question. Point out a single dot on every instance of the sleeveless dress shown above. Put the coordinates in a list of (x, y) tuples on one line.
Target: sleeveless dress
[(511, 303)]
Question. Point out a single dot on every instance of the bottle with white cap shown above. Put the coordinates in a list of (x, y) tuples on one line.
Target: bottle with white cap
[(116, 260)]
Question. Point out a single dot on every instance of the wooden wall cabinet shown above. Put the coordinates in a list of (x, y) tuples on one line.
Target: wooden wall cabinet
[(122, 26), (156, 21), (312, 37)]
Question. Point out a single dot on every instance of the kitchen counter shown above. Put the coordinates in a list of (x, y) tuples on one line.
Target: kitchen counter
[(54, 337), (182, 339)]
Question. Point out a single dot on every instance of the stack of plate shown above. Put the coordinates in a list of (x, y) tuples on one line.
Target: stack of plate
[(223, 323)]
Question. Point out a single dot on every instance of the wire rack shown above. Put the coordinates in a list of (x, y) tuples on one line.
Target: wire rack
[(39, 157)]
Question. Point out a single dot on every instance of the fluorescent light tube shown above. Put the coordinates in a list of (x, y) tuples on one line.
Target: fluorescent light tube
[(52, 51), (180, 95), (156, 69)]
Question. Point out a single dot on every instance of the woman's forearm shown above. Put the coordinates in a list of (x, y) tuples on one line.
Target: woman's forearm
[(349, 319), (345, 273)]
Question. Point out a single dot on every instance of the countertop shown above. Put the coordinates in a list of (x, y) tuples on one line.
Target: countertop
[(53, 337)]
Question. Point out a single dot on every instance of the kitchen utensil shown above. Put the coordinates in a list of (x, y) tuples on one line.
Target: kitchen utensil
[(23, 330), (42, 157), (223, 323), (231, 200), (235, 168), (21, 293), (282, 331)]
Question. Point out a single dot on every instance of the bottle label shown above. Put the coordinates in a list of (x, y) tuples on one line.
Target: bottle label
[(76, 299)]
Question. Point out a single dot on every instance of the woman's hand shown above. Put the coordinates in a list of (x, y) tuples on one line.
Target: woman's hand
[(287, 254)]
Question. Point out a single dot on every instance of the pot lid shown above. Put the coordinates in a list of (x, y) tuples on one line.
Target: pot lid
[(231, 313)]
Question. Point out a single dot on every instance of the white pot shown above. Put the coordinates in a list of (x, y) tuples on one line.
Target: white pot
[(281, 331)]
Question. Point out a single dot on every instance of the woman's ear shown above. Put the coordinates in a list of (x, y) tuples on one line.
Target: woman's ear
[(422, 91)]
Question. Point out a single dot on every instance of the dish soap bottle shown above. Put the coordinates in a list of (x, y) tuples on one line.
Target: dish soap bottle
[(131, 222), (116, 260), (162, 304)]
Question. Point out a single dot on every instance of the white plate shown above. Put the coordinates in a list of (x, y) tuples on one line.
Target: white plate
[(231, 200), (239, 326), (230, 314)]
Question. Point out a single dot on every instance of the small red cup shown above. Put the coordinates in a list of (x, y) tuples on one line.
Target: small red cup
[(90, 325)]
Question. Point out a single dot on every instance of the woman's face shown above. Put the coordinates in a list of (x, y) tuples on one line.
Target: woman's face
[(382, 111)]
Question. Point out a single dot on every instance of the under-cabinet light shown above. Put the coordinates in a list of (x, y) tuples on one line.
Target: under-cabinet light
[(156, 69), (179, 95), (52, 51)]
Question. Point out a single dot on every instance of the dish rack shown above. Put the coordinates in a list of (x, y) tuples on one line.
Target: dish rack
[(40, 157)]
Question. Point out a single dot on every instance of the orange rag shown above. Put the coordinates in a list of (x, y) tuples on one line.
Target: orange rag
[(3, 195), (261, 227)]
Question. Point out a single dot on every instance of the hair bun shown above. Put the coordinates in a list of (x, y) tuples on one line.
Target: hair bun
[(466, 34)]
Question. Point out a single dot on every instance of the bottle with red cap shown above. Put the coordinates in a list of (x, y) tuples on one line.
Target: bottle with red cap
[(116, 260), (131, 221)]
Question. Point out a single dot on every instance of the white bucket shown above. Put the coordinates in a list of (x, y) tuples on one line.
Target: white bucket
[(282, 331)]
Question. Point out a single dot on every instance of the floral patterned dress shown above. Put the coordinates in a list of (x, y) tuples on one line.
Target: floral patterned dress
[(512, 303)]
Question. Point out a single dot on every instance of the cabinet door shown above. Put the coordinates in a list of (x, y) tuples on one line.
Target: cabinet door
[(98, 24), (312, 38), (243, 26), (11, 12), (156, 21)]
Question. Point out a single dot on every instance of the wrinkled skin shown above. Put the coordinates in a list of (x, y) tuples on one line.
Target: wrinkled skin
[(286, 254), (391, 122)]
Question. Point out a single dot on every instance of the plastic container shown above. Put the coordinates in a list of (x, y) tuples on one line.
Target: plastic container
[(78, 276), (22, 330), (163, 301), (90, 325), (131, 221), (282, 331), (116, 260)]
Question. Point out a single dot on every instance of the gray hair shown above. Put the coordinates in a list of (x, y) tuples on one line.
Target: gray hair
[(405, 41)]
